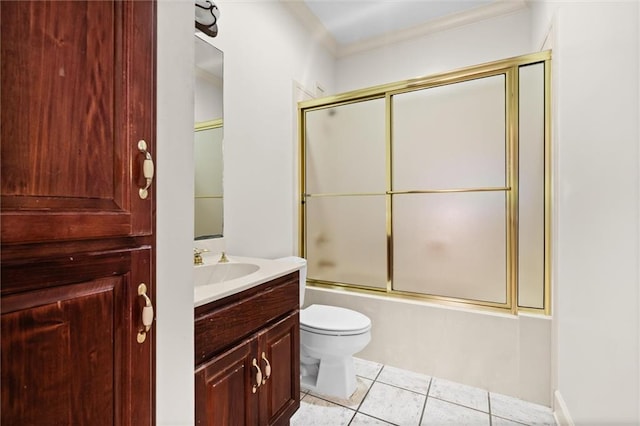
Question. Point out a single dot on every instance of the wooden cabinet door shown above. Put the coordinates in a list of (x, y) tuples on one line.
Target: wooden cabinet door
[(280, 394), (226, 388), (77, 94), (70, 354)]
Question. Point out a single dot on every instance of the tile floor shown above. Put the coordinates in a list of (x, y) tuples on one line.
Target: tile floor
[(391, 396)]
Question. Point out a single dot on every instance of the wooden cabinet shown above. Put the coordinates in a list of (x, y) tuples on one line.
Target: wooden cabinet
[(248, 356), (77, 95)]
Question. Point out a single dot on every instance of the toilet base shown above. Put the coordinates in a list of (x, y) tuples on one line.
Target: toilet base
[(331, 376)]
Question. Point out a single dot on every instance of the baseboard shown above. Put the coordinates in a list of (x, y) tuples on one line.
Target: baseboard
[(560, 411)]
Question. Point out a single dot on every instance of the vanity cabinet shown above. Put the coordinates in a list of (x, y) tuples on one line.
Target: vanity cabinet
[(248, 356)]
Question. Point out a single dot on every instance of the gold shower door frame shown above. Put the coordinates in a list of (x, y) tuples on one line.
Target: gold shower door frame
[(509, 69)]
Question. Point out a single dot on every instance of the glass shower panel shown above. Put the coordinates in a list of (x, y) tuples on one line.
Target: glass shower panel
[(451, 244), (346, 148), (346, 240), (450, 136), (531, 196)]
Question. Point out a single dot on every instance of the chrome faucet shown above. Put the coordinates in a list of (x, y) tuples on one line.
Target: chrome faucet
[(223, 258)]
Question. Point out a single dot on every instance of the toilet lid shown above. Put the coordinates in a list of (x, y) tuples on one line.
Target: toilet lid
[(332, 320)]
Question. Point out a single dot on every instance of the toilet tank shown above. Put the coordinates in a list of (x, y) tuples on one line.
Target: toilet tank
[(303, 273)]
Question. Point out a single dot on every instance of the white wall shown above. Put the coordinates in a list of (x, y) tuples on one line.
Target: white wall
[(174, 229), (473, 44), (596, 239), (265, 50)]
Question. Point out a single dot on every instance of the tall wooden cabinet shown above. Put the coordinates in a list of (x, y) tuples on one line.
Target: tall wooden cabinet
[(77, 234)]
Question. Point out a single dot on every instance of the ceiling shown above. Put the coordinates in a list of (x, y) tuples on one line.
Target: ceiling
[(349, 26)]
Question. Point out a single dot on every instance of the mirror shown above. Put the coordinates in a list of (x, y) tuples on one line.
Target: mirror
[(208, 139)]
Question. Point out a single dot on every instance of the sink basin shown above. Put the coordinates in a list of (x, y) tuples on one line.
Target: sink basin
[(221, 272)]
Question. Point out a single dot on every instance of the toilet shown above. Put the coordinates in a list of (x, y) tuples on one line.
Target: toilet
[(329, 337)]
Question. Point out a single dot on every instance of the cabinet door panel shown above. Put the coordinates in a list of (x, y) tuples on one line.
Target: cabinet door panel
[(77, 93), (69, 351), (58, 358), (280, 395), (224, 388)]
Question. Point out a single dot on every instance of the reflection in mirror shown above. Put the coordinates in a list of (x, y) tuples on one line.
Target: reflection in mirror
[(207, 154), (208, 139)]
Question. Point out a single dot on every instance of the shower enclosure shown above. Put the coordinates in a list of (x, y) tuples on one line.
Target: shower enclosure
[(435, 188)]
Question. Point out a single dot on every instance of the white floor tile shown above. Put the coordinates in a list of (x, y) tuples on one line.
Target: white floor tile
[(390, 396), (318, 412), (520, 411), (499, 421), (441, 413), (367, 369), (409, 380), (392, 404), (460, 394), (362, 419), (354, 400)]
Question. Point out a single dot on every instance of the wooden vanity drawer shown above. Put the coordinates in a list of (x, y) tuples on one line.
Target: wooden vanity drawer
[(220, 324)]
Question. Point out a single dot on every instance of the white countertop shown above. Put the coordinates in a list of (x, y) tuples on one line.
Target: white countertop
[(268, 270)]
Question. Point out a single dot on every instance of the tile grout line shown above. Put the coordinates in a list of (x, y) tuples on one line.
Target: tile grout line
[(357, 409), (375, 379), (426, 398), (489, 407), (461, 405)]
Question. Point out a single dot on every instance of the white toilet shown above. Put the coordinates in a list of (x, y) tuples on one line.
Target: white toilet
[(329, 337)]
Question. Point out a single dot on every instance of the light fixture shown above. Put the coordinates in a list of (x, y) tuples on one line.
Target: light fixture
[(207, 14)]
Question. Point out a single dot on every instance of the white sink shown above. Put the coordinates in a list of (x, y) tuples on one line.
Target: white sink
[(221, 272), (213, 280)]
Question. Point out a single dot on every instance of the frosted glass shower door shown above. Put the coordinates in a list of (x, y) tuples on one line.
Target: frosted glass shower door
[(450, 195), (345, 181)]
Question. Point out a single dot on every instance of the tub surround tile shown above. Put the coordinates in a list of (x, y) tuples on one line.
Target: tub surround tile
[(393, 404), (409, 380), (354, 400), (363, 420), (366, 369), (438, 412), (520, 411), (460, 394), (318, 412)]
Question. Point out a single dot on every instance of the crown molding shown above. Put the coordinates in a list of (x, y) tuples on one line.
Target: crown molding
[(480, 13)]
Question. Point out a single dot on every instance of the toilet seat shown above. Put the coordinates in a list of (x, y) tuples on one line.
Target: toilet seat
[(333, 321)]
